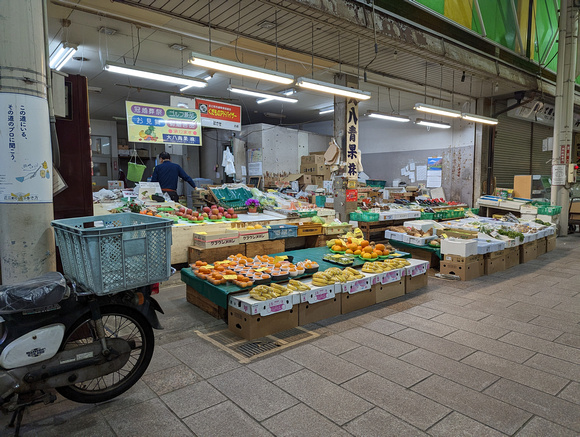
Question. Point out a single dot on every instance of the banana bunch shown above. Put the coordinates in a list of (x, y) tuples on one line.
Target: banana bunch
[(321, 279), (396, 263), (337, 241), (352, 274), (375, 267), (264, 292), (295, 285), (355, 235)]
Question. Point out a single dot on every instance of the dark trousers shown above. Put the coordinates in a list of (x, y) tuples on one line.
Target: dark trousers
[(173, 195)]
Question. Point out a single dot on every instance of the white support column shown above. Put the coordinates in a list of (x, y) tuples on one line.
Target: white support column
[(564, 109), (26, 210)]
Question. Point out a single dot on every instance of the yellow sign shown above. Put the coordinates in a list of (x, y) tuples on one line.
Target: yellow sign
[(230, 277), (148, 123)]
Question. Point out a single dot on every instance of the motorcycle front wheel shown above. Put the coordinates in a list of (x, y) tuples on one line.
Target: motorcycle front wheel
[(119, 322)]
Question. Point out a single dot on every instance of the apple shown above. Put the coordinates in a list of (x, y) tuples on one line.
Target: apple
[(189, 211), (206, 209), (214, 211), (219, 216), (199, 219), (230, 210), (234, 215), (195, 214), (228, 215), (205, 215), (221, 209), (183, 209), (213, 206), (213, 217)]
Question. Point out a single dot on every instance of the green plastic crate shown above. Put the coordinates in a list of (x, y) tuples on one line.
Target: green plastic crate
[(376, 183), (427, 215), (355, 216), (440, 215), (368, 216), (549, 210), (307, 213)]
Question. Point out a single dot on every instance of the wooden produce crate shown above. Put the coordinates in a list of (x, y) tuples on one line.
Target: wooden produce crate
[(217, 254), (265, 247), (205, 304)]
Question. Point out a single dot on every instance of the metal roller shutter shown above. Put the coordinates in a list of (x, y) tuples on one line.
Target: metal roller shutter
[(512, 150), (541, 161)]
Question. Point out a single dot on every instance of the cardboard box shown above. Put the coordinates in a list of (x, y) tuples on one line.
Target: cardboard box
[(357, 286), (323, 170), (496, 254), (308, 160), (318, 304), (463, 260), (387, 277), (528, 251), (417, 267), (357, 301), (251, 235), (212, 239), (550, 242), (542, 248), (494, 265), (251, 327), (390, 290), (116, 185), (466, 272), (413, 283), (456, 246), (512, 257)]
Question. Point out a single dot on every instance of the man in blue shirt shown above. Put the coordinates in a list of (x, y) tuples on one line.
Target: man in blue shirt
[(167, 173)]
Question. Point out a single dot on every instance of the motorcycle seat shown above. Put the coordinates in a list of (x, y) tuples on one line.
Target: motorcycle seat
[(41, 292)]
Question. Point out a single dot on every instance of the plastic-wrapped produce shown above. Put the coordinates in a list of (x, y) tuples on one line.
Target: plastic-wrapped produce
[(39, 292)]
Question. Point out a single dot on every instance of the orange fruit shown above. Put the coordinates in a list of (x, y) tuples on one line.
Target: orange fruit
[(352, 246), (386, 252), (368, 249), (366, 255), (349, 252), (364, 243), (380, 247), (337, 248), (357, 252)]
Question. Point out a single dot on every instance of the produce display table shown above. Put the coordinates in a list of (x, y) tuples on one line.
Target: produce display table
[(215, 297), (426, 253)]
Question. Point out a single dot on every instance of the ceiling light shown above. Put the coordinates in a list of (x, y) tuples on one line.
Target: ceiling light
[(479, 118), (437, 110), (107, 30), (430, 123), (389, 117), (149, 74), (326, 110), (259, 93), (274, 115), (266, 24), (287, 92), (179, 47), (62, 55), (241, 69), (332, 88)]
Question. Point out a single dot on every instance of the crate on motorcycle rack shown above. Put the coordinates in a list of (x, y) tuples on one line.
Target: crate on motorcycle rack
[(115, 252)]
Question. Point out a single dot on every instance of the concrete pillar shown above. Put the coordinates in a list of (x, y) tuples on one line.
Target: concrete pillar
[(26, 237), (564, 108)]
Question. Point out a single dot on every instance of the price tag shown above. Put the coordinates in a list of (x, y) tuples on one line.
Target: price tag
[(445, 236), (261, 269), (230, 277), (280, 258), (300, 223), (337, 256), (201, 233)]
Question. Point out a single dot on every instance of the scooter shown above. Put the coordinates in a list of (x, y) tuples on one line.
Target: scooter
[(55, 335)]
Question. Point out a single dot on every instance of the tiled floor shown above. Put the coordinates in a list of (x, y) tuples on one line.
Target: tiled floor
[(499, 355)]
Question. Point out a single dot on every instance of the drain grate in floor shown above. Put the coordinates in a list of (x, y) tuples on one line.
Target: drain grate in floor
[(245, 351)]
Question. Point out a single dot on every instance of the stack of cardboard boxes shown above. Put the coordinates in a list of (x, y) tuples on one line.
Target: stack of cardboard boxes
[(313, 166)]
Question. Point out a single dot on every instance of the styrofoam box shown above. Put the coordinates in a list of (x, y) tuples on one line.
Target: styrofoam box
[(417, 267), (423, 225), (483, 247), (528, 216), (251, 306), (550, 231), (528, 209), (414, 214), (388, 277), (530, 237), (386, 216), (397, 236), (457, 246), (318, 294), (549, 218), (353, 287), (420, 241)]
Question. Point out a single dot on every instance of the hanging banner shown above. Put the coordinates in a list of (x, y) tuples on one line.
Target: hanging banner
[(352, 128), (219, 115), (147, 123), (25, 154)]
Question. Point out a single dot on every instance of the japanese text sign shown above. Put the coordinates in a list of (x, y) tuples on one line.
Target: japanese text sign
[(219, 115), (352, 131), (149, 123)]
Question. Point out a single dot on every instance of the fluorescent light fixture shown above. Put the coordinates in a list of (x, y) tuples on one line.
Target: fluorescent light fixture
[(326, 110), (330, 88), (240, 69), (144, 73), (389, 117), (430, 123), (479, 118), (62, 55), (287, 92), (437, 110), (258, 93)]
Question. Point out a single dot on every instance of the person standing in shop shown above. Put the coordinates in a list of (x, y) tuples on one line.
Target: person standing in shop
[(167, 174)]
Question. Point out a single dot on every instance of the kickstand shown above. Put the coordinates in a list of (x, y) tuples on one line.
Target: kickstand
[(17, 417), (18, 414)]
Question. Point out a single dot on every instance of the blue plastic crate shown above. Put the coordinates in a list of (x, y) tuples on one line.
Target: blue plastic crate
[(277, 232), (110, 253)]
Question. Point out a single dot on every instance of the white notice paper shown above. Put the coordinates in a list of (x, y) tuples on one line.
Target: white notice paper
[(421, 172), (412, 166), (255, 168)]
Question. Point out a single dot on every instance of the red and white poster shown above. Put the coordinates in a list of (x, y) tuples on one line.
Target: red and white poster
[(219, 115)]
